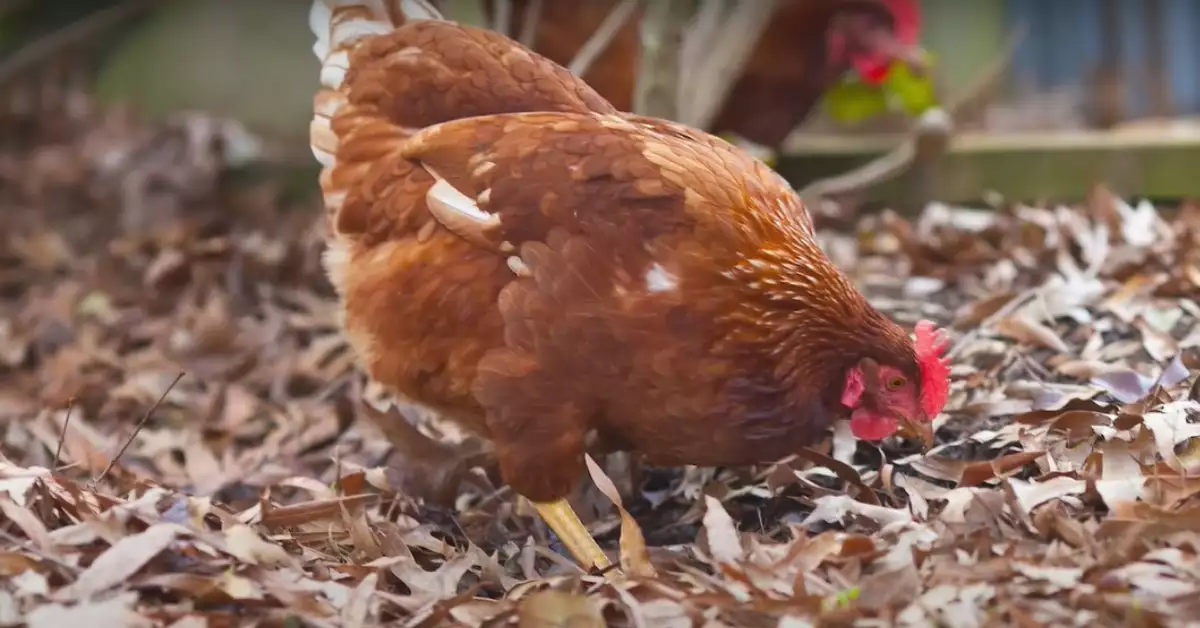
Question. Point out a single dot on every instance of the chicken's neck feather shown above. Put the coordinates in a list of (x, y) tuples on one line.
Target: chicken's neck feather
[(795, 307)]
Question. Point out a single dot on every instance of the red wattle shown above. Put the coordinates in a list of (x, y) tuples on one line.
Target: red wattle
[(868, 426)]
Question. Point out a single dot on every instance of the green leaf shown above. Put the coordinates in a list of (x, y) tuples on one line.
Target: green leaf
[(852, 101), (910, 92), (841, 600)]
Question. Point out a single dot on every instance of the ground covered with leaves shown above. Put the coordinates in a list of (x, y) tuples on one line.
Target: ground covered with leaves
[(186, 441)]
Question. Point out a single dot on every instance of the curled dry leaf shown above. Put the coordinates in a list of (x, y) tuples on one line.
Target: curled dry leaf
[(244, 543), (1028, 331), (113, 567), (979, 472), (1125, 386), (635, 559), (1159, 344), (724, 542), (1121, 478), (555, 609), (836, 508), (1029, 495), (440, 583), (843, 471)]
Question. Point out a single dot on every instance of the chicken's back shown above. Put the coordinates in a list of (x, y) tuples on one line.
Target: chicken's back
[(418, 301), (564, 26)]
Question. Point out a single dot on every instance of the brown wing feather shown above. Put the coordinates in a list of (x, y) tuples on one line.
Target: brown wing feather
[(594, 206), (419, 302), (615, 290)]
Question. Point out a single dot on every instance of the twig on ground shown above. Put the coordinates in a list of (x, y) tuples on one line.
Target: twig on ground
[(137, 428), (604, 35), (62, 434)]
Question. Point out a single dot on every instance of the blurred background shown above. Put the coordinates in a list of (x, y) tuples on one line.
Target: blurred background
[(1032, 100)]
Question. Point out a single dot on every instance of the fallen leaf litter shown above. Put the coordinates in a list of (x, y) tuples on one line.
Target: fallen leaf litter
[(1064, 488)]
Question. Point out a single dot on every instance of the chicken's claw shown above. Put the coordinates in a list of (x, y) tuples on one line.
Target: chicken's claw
[(570, 530)]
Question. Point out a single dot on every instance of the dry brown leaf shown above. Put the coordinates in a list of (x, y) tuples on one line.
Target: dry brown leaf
[(115, 566), (116, 611), (244, 543), (635, 559), (294, 515), (1160, 345), (1121, 478), (721, 534), (1125, 386), (835, 508), (270, 425), (1030, 495), (979, 472), (24, 519), (1062, 578), (844, 471), (1170, 427), (439, 584), (1028, 331), (239, 587), (359, 607), (1084, 369), (556, 609)]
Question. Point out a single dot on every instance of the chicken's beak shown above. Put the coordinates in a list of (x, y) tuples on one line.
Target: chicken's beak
[(917, 429)]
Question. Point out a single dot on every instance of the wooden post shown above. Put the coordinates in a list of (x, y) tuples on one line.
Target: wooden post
[(1109, 87), (661, 33), (1157, 74)]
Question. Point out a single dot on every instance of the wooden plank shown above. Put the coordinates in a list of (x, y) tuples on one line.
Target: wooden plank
[(971, 142), (1023, 166)]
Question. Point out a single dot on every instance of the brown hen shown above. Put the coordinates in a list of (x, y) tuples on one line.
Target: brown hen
[(516, 255), (807, 46)]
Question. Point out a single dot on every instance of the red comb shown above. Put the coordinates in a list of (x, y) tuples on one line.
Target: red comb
[(930, 344), (875, 66)]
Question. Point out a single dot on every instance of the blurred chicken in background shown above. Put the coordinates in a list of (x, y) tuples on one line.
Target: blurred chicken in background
[(806, 47)]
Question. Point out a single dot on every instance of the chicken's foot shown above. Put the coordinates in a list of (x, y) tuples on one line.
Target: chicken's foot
[(570, 530)]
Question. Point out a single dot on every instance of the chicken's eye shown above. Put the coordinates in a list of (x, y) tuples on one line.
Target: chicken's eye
[(895, 383)]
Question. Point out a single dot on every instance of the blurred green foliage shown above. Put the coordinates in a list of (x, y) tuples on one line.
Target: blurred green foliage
[(27, 21), (853, 100), (248, 60)]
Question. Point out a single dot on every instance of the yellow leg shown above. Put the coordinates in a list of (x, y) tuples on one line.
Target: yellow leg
[(566, 524)]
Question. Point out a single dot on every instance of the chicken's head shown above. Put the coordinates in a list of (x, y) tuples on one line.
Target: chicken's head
[(884, 397), (869, 35)]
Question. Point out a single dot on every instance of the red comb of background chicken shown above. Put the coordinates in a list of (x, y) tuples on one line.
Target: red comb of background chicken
[(874, 66), (930, 344), (907, 15)]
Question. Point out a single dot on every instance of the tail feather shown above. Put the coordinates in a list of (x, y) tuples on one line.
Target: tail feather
[(338, 25), (414, 70), (356, 18)]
